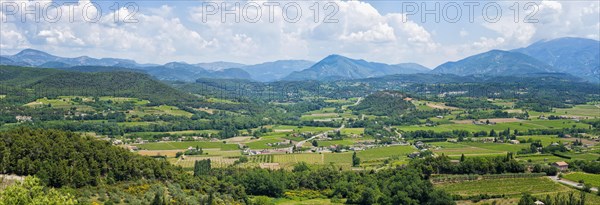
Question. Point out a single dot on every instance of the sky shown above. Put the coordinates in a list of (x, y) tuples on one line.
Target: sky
[(425, 32)]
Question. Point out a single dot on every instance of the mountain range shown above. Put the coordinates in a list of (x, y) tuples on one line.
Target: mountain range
[(337, 67), (495, 63), (579, 57)]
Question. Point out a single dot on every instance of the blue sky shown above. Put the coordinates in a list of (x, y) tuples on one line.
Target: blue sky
[(383, 31)]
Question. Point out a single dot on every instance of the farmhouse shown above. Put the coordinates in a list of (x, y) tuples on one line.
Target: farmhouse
[(538, 203), (515, 142), (562, 166)]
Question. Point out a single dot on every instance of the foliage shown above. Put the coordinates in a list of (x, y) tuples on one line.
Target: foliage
[(384, 103), (32, 191), (67, 159)]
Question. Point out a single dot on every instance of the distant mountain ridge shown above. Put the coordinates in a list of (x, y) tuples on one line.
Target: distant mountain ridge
[(336, 67), (495, 63), (272, 71), (174, 71), (576, 56)]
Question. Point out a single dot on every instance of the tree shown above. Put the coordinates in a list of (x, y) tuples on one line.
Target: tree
[(31, 191), (202, 167), (355, 160), (300, 167), (462, 157), (526, 199), (315, 143)]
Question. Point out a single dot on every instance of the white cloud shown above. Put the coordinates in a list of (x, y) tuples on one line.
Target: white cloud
[(176, 32)]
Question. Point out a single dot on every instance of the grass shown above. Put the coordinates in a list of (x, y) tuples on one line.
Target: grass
[(590, 179), (583, 156), (521, 126), (216, 162), (219, 100), (287, 201), (159, 110), (468, 151), (512, 187), (338, 158), (476, 148), (2, 96), (286, 160), (503, 147), (323, 116), (546, 139), (262, 143), (356, 131), (148, 134), (302, 128), (185, 145), (541, 158), (580, 110), (385, 152)]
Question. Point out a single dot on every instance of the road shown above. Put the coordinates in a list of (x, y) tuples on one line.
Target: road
[(299, 144), (358, 101), (569, 183)]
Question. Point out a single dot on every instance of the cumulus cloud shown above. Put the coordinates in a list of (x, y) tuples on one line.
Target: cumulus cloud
[(186, 31)]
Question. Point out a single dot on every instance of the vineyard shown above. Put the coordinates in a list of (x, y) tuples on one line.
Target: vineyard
[(216, 162), (444, 178), (291, 159), (261, 159), (506, 186)]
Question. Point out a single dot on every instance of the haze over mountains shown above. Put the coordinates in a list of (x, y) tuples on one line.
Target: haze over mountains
[(575, 56)]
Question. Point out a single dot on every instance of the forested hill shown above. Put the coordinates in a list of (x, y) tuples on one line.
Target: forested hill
[(66, 159), (50, 82), (384, 103)]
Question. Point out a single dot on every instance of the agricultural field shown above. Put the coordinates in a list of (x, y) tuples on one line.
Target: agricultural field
[(475, 148), (216, 162), (385, 152), (590, 198), (580, 110), (326, 143), (147, 135), (352, 131), (522, 126), (220, 100), (592, 180), (159, 110), (509, 186), (263, 143), (545, 139), (338, 158), (261, 158), (287, 128), (63, 102), (583, 156), (502, 147), (185, 145), (288, 160), (541, 158)]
